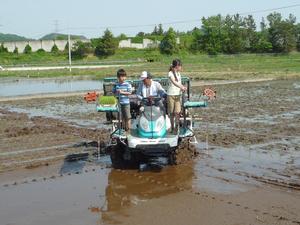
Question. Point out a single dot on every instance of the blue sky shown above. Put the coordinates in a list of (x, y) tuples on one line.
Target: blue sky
[(35, 18)]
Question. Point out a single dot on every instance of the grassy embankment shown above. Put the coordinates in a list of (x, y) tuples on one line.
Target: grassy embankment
[(198, 66)]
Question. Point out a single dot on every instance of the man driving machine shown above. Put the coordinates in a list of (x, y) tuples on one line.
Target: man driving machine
[(149, 88)]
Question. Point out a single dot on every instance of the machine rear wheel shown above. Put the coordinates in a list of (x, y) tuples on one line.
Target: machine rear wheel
[(116, 156), (110, 116)]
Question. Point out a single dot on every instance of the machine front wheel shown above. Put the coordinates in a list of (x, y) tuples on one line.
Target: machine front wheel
[(120, 160)]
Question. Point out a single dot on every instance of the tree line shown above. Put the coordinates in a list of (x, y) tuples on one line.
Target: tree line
[(237, 34), (101, 47), (231, 34)]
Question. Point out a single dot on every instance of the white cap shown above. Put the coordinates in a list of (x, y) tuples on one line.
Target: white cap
[(144, 75)]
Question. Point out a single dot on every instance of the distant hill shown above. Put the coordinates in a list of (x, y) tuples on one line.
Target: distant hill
[(12, 37), (57, 36)]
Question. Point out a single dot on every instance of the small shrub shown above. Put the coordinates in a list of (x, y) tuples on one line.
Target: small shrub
[(27, 49), (54, 49), (16, 50)]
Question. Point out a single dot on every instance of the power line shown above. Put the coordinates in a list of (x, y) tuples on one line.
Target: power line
[(56, 22), (174, 22), (273, 9), (128, 26)]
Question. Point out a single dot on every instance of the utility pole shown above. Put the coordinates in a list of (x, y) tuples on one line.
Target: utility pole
[(56, 24), (70, 56)]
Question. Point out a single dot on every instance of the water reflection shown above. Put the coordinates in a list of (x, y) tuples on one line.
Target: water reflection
[(42, 86), (128, 188)]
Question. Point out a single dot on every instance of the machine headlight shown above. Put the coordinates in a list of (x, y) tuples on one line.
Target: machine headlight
[(159, 124), (144, 124)]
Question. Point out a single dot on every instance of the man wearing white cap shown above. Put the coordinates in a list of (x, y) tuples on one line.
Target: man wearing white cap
[(149, 87)]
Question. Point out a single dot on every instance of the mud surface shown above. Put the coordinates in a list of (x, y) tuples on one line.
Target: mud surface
[(254, 130), (30, 139), (247, 170)]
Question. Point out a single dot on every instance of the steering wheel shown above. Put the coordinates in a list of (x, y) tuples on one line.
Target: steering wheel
[(151, 99)]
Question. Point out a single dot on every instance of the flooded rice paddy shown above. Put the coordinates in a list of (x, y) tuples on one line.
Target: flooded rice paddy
[(248, 140)]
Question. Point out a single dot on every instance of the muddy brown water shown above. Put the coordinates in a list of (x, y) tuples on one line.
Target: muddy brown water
[(248, 138), (88, 194)]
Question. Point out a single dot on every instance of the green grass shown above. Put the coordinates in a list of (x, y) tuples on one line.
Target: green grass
[(198, 66), (42, 58), (48, 59)]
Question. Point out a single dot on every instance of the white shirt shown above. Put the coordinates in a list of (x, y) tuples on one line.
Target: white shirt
[(174, 90), (155, 89)]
